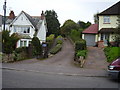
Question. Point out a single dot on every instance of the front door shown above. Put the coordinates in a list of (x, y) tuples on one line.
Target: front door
[(105, 38)]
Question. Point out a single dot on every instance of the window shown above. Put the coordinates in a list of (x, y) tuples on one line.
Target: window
[(22, 29), (21, 43), (106, 19), (25, 43)]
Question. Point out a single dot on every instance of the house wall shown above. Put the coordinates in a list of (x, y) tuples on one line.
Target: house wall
[(22, 21), (27, 42), (112, 24), (42, 32)]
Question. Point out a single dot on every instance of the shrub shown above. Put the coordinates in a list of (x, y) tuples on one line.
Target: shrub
[(80, 45), (75, 35), (37, 47), (50, 40), (112, 53), (56, 49), (81, 53), (59, 40)]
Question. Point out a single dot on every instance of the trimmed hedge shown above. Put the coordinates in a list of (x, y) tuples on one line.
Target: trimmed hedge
[(112, 53), (81, 53), (56, 49), (80, 45), (50, 40), (59, 40)]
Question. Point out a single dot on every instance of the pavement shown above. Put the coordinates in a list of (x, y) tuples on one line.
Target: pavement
[(62, 63)]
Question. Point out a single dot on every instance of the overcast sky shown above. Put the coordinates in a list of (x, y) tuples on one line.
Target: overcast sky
[(66, 9)]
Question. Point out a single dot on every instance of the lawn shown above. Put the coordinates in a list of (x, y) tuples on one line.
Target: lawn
[(112, 53)]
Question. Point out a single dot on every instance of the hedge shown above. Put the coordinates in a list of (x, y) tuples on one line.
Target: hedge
[(80, 45), (56, 49), (59, 40), (81, 53), (112, 53), (50, 40)]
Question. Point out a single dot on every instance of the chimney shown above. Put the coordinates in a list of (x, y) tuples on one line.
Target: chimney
[(11, 15), (42, 15)]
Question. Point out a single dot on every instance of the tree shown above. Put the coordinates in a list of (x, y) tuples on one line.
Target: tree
[(117, 36), (96, 19), (53, 24), (9, 42), (84, 25), (68, 26), (37, 47)]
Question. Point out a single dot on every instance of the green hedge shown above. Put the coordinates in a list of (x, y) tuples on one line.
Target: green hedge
[(50, 40), (75, 35), (59, 40), (56, 49), (80, 45), (112, 53), (81, 53)]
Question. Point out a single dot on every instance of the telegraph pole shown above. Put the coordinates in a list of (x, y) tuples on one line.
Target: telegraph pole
[(4, 8)]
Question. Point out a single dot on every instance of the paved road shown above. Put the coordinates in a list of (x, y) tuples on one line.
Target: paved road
[(22, 79)]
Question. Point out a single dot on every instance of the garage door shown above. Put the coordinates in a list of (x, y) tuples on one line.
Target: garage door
[(90, 39)]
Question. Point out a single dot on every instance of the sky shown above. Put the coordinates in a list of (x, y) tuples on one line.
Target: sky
[(75, 10)]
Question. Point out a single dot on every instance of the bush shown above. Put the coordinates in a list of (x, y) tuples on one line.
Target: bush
[(81, 53), (80, 45), (37, 47), (56, 49), (50, 40), (20, 53), (59, 40), (75, 35), (112, 53)]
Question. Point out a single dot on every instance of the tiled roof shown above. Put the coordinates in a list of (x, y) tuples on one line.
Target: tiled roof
[(113, 10), (34, 20), (93, 29)]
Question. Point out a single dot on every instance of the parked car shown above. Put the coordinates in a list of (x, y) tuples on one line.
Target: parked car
[(114, 69)]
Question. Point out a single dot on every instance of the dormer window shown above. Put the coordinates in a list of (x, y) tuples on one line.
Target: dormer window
[(106, 19)]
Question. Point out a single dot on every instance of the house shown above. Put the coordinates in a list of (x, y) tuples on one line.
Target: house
[(108, 24), (0, 23), (27, 27), (105, 30), (90, 35)]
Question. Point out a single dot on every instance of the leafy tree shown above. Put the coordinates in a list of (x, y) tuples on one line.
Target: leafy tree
[(75, 35), (96, 20), (117, 36), (68, 26), (9, 42), (37, 47), (53, 24), (84, 25)]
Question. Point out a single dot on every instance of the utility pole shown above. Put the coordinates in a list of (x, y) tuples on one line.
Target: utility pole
[(4, 8)]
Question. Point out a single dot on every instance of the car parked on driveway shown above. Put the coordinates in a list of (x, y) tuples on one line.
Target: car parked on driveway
[(114, 69)]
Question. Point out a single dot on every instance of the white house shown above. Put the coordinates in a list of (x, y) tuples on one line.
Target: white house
[(27, 27)]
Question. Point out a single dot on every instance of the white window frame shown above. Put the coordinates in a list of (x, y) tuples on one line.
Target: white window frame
[(106, 19)]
